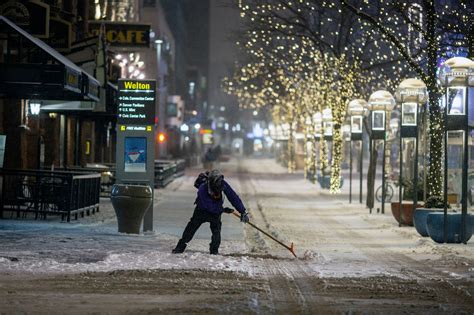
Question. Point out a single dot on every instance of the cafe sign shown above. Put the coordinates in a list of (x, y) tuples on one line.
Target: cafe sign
[(122, 33)]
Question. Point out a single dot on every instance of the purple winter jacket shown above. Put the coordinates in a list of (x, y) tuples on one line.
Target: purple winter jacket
[(205, 202)]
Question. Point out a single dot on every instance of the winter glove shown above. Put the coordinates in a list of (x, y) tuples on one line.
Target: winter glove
[(201, 179), (244, 217), (228, 210)]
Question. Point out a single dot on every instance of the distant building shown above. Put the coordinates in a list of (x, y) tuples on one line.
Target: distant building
[(223, 54), (189, 22)]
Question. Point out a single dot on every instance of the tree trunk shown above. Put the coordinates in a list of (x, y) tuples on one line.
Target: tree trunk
[(470, 39), (314, 154), (323, 154), (337, 144), (435, 186), (307, 161), (371, 177), (291, 150)]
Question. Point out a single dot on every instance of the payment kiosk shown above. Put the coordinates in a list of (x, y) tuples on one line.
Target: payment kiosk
[(135, 137)]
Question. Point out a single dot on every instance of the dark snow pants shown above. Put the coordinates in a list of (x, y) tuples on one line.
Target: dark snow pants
[(199, 217)]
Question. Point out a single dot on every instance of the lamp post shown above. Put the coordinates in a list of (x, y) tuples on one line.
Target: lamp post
[(457, 77), (380, 103), (356, 110), (410, 94)]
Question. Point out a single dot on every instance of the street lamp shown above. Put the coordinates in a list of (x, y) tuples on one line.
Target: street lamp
[(380, 103), (411, 94), (457, 76), (356, 109)]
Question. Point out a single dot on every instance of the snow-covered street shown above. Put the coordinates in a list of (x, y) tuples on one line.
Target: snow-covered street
[(348, 260)]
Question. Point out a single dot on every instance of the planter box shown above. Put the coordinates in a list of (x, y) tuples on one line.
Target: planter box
[(452, 199), (435, 222), (420, 217), (406, 217)]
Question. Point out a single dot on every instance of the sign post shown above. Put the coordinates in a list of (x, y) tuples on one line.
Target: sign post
[(135, 152)]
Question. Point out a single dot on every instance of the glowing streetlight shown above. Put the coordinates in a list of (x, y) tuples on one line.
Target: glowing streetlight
[(356, 109), (411, 94), (380, 103), (457, 77)]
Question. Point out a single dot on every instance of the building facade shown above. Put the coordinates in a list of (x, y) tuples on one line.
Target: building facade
[(60, 62)]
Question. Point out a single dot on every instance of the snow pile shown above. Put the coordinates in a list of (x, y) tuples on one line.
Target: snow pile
[(311, 255), (135, 261)]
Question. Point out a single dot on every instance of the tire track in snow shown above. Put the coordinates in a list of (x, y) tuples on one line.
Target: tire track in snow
[(409, 267), (300, 288), (291, 283)]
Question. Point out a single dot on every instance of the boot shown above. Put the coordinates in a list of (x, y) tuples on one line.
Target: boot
[(179, 248), (214, 251)]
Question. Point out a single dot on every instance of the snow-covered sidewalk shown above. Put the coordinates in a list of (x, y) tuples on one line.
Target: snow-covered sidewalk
[(332, 238)]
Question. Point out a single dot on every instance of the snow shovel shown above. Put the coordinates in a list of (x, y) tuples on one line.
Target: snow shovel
[(290, 248)]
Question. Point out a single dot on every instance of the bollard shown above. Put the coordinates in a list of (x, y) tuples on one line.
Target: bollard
[(130, 203)]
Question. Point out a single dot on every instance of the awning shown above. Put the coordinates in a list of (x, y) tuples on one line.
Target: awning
[(87, 108), (58, 79), (59, 107)]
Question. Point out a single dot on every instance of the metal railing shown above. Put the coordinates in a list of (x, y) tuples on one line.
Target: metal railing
[(107, 175), (164, 173), (49, 193), (180, 167)]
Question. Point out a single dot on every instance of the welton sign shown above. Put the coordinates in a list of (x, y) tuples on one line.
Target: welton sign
[(136, 102), (122, 33)]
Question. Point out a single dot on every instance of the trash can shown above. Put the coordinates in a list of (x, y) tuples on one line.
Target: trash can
[(130, 204)]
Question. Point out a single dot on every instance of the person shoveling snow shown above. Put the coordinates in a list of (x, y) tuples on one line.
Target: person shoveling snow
[(209, 208)]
